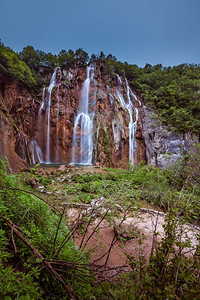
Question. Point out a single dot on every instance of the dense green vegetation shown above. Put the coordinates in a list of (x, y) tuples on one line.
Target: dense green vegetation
[(172, 91), (23, 272), (168, 273), (11, 66), (142, 186)]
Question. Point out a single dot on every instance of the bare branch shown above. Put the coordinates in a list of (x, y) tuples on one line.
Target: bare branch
[(49, 268), (95, 228), (54, 242)]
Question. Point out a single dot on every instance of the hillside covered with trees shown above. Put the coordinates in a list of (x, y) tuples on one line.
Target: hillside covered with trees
[(174, 92)]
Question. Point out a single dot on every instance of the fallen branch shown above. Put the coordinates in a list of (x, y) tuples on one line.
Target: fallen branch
[(68, 236), (49, 268), (95, 229), (88, 224), (54, 242)]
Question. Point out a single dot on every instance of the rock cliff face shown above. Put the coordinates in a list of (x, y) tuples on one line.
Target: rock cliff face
[(41, 128), (12, 144), (28, 123), (163, 147)]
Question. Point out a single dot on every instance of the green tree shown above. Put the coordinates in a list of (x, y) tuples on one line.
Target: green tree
[(81, 56)]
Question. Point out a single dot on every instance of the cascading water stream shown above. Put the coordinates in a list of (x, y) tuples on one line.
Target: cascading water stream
[(132, 124), (83, 127), (57, 122), (51, 86), (43, 101), (23, 148), (36, 152), (33, 103), (27, 150), (46, 103)]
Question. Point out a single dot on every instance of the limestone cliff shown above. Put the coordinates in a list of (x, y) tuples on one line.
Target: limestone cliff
[(163, 146), (12, 143), (41, 128)]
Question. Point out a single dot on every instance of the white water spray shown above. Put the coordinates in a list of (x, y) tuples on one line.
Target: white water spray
[(83, 127), (36, 152), (46, 104), (132, 124)]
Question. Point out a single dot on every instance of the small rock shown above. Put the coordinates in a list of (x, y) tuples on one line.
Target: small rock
[(63, 168), (33, 182)]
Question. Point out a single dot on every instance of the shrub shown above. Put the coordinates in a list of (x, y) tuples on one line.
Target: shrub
[(46, 232)]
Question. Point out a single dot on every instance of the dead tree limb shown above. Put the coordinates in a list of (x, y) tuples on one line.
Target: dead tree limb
[(54, 242), (94, 230), (68, 236), (49, 268)]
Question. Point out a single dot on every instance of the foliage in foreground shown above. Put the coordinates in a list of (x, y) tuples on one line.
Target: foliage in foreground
[(171, 272), (142, 186), (22, 270)]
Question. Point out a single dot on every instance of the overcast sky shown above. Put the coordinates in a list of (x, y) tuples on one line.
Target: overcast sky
[(136, 31)]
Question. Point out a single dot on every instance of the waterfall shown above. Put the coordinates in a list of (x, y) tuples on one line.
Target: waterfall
[(51, 86), (22, 148), (57, 122), (33, 103), (119, 92), (134, 96), (46, 104), (43, 101), (132, 124), (82, 148), (36, 152), (27, 150), (119, 81)]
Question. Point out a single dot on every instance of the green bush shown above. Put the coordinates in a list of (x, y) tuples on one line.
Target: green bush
[(12, 66), (40, 225)]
